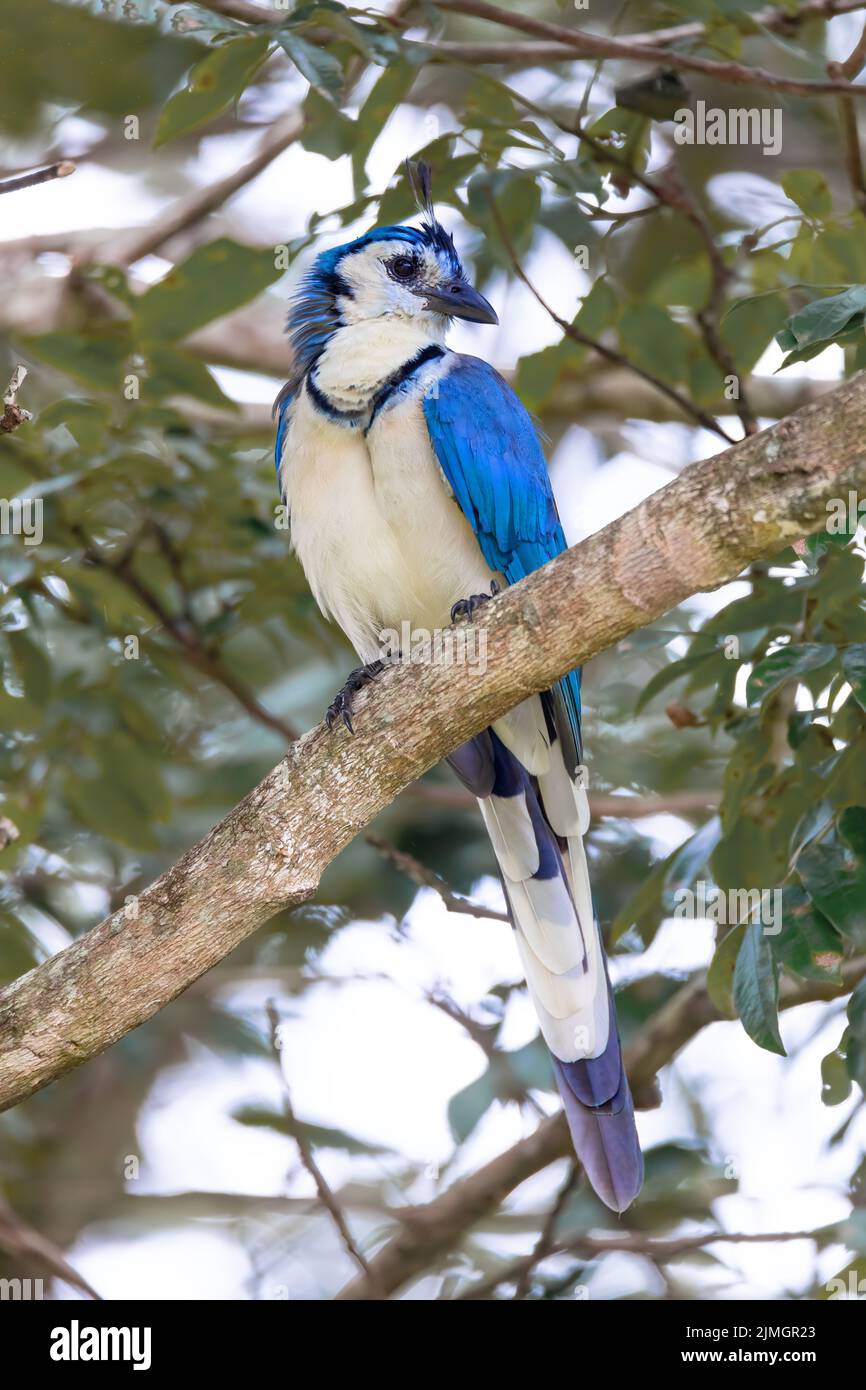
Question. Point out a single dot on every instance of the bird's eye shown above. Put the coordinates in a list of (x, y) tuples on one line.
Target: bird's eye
[(402, 268)]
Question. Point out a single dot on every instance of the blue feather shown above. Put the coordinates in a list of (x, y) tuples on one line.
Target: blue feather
[(489, 451)]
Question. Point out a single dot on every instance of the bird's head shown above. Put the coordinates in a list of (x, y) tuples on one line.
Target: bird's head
[(400, 272)]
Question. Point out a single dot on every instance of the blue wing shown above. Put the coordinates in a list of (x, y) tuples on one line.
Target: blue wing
[(281, 410), (489, 451)]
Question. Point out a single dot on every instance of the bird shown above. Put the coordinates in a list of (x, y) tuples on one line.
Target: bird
[(416, 488)]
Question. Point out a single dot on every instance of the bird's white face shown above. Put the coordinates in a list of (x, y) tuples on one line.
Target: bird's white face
[(397, 278)]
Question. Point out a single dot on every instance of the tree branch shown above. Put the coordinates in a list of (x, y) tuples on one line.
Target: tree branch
[(700, 531), (54, 171), (587, 45), (430, 1231)]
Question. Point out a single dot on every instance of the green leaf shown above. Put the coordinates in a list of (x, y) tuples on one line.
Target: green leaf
[(808, 945), (32, 665), (318, 1136), (85, 420), (213, 84), (173, 373), (835, 1080), (530, 1066), (822, 321), (855, 1037), (651, 338), (321, 68), (97, 358), (835, 879), (213, 281), (60, 56), (599, 309), (784, 665), (756, 990), (388, 91), (468, 1106), (672, 672), (517, 197), (687, 864), (720, 974), (808, 189), (854, 667)]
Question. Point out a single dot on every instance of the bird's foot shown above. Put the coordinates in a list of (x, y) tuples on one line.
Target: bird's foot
[(468, 607), (341, 706)]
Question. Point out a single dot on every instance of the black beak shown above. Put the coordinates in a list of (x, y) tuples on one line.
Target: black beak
[(460, 301)]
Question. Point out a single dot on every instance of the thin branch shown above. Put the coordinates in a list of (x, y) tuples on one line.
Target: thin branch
[(61, 170), (659, 1251), (848, 118), (26, 1245), (426, 878), (546, 1242), (185, 636), (14, 414), (777, 19), (308, 1159), (584, 340), (186, 212), (587, 45), (674, 191), (430, 1231)]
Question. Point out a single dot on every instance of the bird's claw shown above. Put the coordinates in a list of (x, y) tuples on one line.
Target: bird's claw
[(468, 607), (341, 705)]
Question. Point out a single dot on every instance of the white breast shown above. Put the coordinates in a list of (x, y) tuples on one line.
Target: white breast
[(380, 538)]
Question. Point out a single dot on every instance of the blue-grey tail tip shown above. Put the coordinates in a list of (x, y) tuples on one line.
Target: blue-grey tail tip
[(604, 1135)]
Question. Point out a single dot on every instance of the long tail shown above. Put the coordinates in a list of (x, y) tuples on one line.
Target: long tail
[(536, 815)]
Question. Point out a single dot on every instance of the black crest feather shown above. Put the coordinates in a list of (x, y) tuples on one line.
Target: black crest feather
[(419, 176)]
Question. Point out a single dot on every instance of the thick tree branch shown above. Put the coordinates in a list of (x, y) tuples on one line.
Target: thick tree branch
[(695, 534)]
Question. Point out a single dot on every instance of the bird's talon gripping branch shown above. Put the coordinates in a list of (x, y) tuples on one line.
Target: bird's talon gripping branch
[(468, 607), (341, 705)]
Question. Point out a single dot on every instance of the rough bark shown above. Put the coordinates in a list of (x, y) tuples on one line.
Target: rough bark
[(269, 852)]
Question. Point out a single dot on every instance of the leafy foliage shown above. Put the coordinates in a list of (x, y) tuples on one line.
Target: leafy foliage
[(159, 645)]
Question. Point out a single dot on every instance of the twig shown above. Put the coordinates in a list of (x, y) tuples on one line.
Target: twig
[(22, 1242), (14, 414), (777, 20), (428, 1232), (9, 832), (308, 1159), (53, 171), (187, 637), (545, 1243), (674, 192), (426, 878), (848, 118), (132, 246), (659, 1251), (584, 340), (587, 45)]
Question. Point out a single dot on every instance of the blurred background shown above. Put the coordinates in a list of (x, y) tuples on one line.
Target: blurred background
[(159, 648)]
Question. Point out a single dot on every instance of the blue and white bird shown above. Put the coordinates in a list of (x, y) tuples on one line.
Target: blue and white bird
[(416, 486)]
